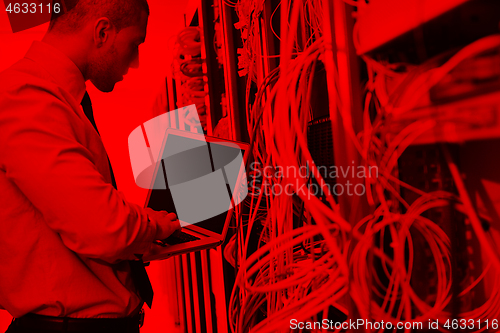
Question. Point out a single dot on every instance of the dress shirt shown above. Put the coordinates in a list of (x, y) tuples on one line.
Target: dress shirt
[(65, 232)]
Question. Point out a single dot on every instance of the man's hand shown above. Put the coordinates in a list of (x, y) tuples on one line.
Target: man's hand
[(167, 223)]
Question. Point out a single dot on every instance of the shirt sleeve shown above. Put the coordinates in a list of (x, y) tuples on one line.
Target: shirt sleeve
[(41, 153)]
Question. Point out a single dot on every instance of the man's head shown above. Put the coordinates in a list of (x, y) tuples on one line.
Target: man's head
[(110, 31)]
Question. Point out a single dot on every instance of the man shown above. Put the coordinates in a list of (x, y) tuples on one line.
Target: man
[(69, 242)]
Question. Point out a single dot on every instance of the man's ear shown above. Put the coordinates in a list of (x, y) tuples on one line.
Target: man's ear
[(103, 28)]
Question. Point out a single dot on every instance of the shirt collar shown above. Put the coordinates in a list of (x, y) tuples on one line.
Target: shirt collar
[(64, 71)]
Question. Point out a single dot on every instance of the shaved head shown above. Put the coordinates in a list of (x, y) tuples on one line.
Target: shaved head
[(122, 13)]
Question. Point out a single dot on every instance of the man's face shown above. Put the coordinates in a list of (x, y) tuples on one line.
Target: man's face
[(121, 52)]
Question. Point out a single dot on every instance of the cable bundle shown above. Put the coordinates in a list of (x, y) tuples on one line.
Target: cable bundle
[(295, 272), (188, 71), (300, 269), (393, 92)]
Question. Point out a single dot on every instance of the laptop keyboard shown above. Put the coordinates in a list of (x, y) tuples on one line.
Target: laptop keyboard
[(177, 238)]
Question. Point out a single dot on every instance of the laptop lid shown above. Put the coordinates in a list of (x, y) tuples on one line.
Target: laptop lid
[(200, 179)]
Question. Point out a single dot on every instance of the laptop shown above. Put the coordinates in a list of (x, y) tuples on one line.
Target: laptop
[(184, 157)]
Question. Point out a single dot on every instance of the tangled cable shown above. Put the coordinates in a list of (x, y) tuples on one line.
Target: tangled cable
[(188, 72), (308, 256)]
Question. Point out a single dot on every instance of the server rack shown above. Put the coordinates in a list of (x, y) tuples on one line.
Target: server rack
[(423, 166)]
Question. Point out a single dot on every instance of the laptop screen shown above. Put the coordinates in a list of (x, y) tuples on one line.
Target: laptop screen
[(186, 159)]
